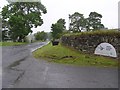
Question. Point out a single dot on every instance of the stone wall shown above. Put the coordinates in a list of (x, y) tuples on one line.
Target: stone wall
[(88, 42)]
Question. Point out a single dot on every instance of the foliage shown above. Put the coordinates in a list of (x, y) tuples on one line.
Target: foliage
[(71, 56), (58, 28), (94, 21), (20, 17), (41, 36), (79, 23)]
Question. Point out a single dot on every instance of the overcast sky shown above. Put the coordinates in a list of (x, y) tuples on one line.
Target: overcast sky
[(57, 9)]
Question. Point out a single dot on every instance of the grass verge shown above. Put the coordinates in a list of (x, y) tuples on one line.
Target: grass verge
[(65, 55), (11, 43)]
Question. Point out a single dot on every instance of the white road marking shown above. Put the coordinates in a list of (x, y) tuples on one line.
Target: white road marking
[(45, 73)]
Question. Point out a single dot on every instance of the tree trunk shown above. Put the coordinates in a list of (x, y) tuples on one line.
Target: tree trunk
[(20, 39)]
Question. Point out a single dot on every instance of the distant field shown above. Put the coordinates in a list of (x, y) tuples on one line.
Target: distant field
[(65, 55), (11, 43)]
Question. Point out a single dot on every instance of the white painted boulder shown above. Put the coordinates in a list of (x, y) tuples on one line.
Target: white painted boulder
[(105, 49)]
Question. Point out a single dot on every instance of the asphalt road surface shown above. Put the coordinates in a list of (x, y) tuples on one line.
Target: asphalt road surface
[(21, 70)]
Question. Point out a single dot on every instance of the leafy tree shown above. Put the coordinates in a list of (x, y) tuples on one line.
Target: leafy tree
[(62, 22), (58, 28), (94, 21), (41, 36), (77, 22), (21, 17)]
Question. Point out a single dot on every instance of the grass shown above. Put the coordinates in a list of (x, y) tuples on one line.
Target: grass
[(65, 55), (11, 43), (112, 32)]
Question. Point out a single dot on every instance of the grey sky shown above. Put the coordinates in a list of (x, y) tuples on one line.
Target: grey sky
[(57, 9)]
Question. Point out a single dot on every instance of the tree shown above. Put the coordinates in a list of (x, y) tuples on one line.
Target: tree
[(41, 36), (62, 22), (94, 21), (77, 22), (21, 17), (58, 28)]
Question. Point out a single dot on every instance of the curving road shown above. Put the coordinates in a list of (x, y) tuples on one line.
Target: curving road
[(22, 70)]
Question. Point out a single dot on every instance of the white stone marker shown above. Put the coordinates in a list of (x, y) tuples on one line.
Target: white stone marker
[(105, 49)]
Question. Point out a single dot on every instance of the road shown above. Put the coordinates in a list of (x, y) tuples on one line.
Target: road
[(12, 56), (22, 70)]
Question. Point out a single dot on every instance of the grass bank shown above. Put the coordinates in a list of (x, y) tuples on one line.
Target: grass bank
[(11, 43), (65, 55), (112, 32)]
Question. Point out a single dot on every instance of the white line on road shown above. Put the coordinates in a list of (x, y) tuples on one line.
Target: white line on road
[(32, 50), (45, 73)]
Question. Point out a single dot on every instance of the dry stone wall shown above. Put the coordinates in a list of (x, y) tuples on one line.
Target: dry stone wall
[(88, 42)]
